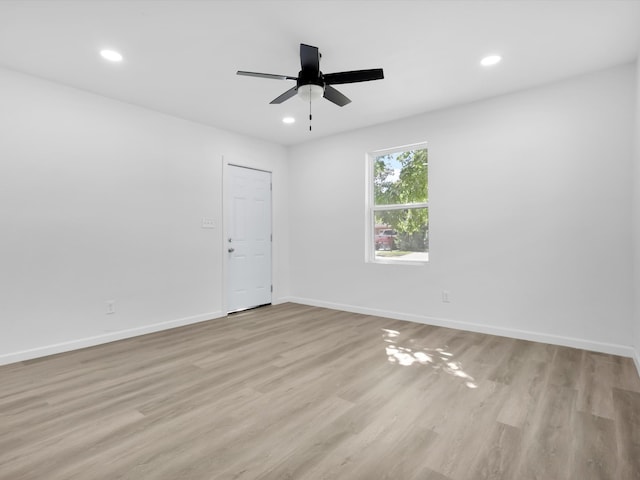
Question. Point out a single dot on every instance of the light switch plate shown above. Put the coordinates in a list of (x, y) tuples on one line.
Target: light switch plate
[(208, 222), (111, 307)]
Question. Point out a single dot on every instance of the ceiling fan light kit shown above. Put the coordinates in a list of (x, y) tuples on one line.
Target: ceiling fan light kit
[(311, 83), (310, 92)]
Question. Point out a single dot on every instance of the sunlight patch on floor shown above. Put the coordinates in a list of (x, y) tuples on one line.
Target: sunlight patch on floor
[(436, 358)]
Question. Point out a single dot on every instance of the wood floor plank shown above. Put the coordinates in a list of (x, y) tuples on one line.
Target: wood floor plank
[(627, 416), (428, 474), (566, 363), (463, 427), (379, 438), (547, 444), (299, 392), (595, 384), (524, 393), (497, 459), (626, 375), (596, 449)]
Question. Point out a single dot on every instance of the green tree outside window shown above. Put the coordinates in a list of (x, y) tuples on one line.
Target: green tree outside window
[(401, 195)]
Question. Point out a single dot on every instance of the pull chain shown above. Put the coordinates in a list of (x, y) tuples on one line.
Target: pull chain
[(310, 116)]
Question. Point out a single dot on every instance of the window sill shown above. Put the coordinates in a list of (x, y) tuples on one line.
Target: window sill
[(414, 259)]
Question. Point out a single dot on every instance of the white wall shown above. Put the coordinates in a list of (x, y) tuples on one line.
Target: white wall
[(636, 222), (530, 204), (530, 201), (101, 200)]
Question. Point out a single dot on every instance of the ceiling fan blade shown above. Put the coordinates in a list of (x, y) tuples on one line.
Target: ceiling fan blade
[(335, 96), (266, 75), (285, 96), (354, 76), (309, 57)]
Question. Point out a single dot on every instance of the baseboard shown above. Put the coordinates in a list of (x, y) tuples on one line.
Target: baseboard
[(280, 300), (614, 349), (38, 352), (611, 348)]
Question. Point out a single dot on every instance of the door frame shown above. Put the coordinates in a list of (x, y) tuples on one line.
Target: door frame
[(226, 191)]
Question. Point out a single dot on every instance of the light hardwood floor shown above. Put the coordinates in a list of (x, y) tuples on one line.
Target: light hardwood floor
[(296, 392)]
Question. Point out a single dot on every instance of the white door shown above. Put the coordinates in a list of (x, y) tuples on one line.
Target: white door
[(248, 239)]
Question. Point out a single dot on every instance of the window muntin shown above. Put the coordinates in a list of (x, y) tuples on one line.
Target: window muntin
[(399, 206)]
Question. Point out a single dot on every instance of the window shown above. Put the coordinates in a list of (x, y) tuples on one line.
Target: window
[(398, 213)]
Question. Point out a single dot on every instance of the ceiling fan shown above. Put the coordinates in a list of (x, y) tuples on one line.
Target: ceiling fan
[(311, 83)]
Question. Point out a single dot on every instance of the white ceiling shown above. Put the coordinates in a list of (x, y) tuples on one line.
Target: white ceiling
[(181, 56)]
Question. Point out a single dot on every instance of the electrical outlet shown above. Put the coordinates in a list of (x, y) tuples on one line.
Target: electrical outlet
[(111, 307), (445, 296), (208, 222)]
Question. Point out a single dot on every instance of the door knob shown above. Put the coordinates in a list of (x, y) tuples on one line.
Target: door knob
[(232, 250)]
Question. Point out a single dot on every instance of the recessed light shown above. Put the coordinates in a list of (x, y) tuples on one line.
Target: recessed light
[(288, 120), (490, 60), (111, 55)]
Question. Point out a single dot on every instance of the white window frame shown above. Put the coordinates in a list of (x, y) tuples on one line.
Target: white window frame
[(371, 207)]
